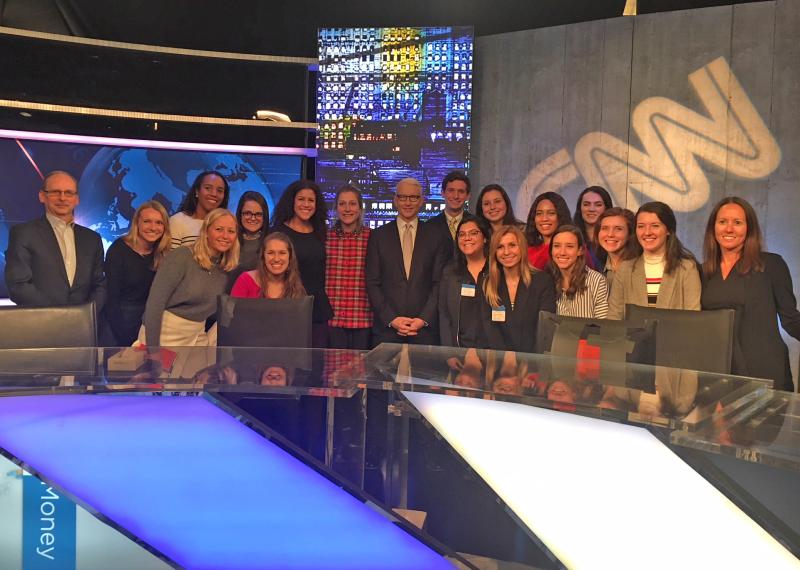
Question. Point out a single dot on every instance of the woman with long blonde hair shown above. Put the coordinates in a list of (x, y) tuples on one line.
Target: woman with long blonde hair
[(514, 293), (186, 286), (130, 267)]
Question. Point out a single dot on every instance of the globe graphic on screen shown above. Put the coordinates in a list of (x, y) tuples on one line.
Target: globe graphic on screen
[(117, 180)]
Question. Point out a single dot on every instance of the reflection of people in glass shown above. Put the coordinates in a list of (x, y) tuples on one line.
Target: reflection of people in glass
[(276, 277), (506, 375), (274, 376), (757, 284), (469, 372), (461, 284)]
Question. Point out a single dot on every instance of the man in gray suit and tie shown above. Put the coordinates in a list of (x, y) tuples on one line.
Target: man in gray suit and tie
[(52, 260)]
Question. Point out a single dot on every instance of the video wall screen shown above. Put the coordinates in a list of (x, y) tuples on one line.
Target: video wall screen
[(393, 103), (115, 176)]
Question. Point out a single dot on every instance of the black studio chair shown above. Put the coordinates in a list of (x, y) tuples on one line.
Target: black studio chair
[(284, 323), (618, 341), (612, 344), (38, 329), (693, 340)]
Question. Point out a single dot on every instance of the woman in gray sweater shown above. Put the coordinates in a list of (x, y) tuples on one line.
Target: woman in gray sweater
[(185, 288)]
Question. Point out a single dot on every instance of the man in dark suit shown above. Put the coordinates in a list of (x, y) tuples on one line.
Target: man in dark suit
[(404, 263), (455, 191), (52, 260)]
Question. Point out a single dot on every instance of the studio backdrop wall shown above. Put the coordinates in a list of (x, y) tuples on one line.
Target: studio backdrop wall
[(684, 107)]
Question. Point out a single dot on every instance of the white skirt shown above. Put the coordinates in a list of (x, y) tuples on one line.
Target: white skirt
[(198, 345)]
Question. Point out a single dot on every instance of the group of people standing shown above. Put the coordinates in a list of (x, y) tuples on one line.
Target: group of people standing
[(460, 279)]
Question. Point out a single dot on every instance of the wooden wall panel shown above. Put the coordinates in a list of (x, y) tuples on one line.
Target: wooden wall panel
[(611, 102)]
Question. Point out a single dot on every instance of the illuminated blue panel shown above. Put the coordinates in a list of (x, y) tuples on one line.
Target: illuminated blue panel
[(199, 487)]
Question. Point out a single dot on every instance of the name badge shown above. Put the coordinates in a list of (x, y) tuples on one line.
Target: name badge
[(499, 314), (467, 290)]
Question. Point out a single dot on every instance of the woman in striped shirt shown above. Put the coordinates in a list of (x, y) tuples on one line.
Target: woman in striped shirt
[(580, 291), (665, 275)]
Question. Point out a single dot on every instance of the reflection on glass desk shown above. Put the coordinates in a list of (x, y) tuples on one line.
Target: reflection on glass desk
[(387, 425)]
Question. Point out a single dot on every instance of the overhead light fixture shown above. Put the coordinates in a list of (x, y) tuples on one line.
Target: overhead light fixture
[(630, 8), (25, 114), (263, 115)]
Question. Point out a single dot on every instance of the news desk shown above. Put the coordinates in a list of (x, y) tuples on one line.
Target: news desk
[(400, 457)]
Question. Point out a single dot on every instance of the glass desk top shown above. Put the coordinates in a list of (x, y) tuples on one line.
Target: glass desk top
[(378, 419), (683, 400)]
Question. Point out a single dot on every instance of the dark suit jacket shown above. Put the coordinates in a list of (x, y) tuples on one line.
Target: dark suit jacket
[(450, 308), (35, 273), (759, 299), (439, 222), (391, 294), (518, 332)]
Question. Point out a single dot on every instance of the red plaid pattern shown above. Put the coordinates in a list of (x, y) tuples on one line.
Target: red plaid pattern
[(346, 279)]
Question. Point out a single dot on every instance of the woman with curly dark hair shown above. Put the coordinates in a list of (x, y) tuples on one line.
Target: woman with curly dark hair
[(302, 215)]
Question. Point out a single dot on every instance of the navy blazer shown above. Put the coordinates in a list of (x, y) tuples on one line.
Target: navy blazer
[(391, 294), (35, 273)]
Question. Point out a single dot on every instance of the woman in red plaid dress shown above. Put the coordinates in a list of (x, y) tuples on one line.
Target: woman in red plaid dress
[(345, 273)]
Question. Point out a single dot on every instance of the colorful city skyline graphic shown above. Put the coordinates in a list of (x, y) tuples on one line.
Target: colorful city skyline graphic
[(393, 103)]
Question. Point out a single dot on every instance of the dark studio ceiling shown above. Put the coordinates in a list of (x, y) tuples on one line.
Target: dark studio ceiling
[(41, 71), (289, 27)]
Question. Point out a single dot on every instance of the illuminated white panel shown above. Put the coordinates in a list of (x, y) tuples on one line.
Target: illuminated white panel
[(168, 145), (600, 494)]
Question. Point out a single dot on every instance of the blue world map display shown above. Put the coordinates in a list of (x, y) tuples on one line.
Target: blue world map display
[(114, 181)]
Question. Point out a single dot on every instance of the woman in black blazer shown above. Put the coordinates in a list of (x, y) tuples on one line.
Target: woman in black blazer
[(461, 285), (756, 284), (514, 293)]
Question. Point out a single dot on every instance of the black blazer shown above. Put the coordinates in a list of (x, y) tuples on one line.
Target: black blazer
[(439, 222), (35, 273), (391, 294), (450, 309), (518, 332), (759, 299)]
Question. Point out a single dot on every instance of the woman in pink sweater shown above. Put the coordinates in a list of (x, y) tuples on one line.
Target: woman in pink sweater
[(277, 275)]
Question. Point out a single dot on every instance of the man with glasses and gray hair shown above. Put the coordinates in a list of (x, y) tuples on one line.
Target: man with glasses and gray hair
[(404, 264), (52, 260)]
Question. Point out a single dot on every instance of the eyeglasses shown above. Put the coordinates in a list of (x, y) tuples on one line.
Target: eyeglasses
[(255, 215), (61, 193), (471, 234), (413, 198)]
